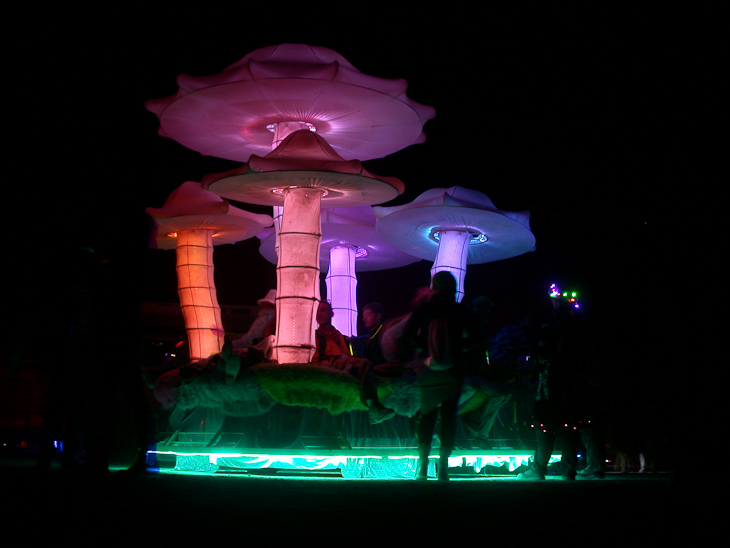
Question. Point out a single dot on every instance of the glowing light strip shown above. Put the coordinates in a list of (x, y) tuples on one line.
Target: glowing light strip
[(497, 456), (350, 466), (280, 455)]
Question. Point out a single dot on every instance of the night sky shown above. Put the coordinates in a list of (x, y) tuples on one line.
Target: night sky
[(582, 124)]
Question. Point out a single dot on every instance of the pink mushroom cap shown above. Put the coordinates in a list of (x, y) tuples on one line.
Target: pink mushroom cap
[(304, 159), (191, 207), (230, 115)]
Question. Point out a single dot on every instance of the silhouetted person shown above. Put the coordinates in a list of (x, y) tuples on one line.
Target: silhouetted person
[(436, 331), (57, 332), (93, 346), (116, 382), (566, 356)]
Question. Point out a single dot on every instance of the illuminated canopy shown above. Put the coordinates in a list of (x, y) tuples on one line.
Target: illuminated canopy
[(454, 227), (240, 111)]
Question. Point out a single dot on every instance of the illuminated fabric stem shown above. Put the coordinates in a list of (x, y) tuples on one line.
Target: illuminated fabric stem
[(451, 257), (341, 282), (297, 275), (198, 296)]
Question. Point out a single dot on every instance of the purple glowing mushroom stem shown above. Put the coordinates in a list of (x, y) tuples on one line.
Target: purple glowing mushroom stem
[(341, 283), (350, 244)]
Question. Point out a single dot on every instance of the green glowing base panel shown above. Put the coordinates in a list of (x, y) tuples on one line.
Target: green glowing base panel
[(380, 462)]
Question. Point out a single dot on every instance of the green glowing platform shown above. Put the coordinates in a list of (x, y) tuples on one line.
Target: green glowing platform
[(204, 453)]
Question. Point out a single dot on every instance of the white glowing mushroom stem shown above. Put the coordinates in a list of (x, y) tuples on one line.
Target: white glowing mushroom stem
[(297, 275), (198, 296), (280, 131), (451, 256), (297, 281), (312, 170)]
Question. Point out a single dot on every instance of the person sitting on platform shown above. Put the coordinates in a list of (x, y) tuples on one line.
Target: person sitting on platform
[(263, 326), (332, 350), (240, 351), (373, 343), (367, 345)]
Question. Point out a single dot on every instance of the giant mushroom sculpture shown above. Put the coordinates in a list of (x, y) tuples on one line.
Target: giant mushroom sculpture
[(254, 104), (192, 221), (303, 174), (350, 244), (455, 227)]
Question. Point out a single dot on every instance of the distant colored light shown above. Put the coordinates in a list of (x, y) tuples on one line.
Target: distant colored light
[(556, 293)]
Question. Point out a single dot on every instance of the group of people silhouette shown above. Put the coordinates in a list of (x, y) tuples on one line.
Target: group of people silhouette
[(438, 342)]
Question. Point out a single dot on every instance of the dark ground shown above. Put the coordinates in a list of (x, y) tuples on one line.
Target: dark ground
[(172, 508)]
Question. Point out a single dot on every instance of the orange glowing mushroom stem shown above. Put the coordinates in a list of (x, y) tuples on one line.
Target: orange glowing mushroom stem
[(192, 221)]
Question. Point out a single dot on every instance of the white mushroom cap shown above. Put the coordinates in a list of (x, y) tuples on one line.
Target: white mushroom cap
[(414, 227)]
